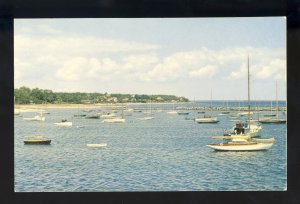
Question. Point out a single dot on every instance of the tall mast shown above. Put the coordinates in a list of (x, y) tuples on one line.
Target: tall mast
[(211, 102), (276, 101), (248, 94)]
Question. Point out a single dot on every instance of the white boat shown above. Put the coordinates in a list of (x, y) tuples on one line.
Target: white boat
[(241, 145), (276, 119), (114, 120), (271, 114), (148, 114), (253, 130), (226, 111), (234, 117), (36, 118), (146, 118), (244, 113), (64, 123), (108, 115), (97, 145), (272, 120), (208, 118), (244, 141), (43, 112), (173, 112)]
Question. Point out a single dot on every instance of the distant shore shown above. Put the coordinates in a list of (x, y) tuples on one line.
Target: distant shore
[(38, 107), (34, 107)]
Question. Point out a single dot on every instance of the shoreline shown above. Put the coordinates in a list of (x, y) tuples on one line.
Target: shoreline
[(20, 108), (41, 107)]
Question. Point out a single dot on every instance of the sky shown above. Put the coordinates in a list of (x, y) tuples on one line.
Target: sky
[(190, 57)]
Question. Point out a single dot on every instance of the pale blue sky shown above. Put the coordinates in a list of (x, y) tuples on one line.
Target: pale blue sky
[(181, 56)]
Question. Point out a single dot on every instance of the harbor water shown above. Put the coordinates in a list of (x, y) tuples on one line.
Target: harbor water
[(167, 153)]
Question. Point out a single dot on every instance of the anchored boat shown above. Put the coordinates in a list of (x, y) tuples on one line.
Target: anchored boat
[(243, 141), (36, 140)]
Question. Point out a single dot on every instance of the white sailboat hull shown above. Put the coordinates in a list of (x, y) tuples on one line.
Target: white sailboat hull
[(64, 124), (207, 120), (36, 118), (146, 118), (241, 147), (109, 116), (245, 113), (272, 120), (97, 145), (114, 120)]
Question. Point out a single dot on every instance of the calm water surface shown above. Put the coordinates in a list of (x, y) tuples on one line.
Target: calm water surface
[(167, 153)]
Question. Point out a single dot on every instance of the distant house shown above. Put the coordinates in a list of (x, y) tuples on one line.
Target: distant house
[(159, 98)]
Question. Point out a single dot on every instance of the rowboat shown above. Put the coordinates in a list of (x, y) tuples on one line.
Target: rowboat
[(36, 140)]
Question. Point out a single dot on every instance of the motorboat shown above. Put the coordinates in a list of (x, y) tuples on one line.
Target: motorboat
[(64, 123), (36, 140), (241, 145), (36, 118)]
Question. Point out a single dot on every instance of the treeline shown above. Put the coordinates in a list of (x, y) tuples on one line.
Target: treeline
[(25, 95)]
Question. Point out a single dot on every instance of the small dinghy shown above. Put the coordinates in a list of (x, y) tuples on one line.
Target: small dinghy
[(64, 123), (97, 145), (36, 140)]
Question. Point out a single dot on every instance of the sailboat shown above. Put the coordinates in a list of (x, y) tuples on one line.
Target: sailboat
[(226, 111), (64, 123), (36, 118), (271, 114), (243, 142), (208, 118), (97, 145), (116, 119), (173, 112), (37, 139), (275, 119), (148, 114)]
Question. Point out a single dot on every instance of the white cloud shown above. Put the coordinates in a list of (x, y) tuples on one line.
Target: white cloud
[(82, 58), (48, 29), (241, 73), (275, 69), (73, 69), (206, 71), (138, 62)]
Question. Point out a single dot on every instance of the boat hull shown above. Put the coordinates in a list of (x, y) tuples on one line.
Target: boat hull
[(64, 124), (37, 118), (241, 147), (42, 142), (206, 120), (183, 113), (277, 121), (114, 120), (146, 118), (97, 145)]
